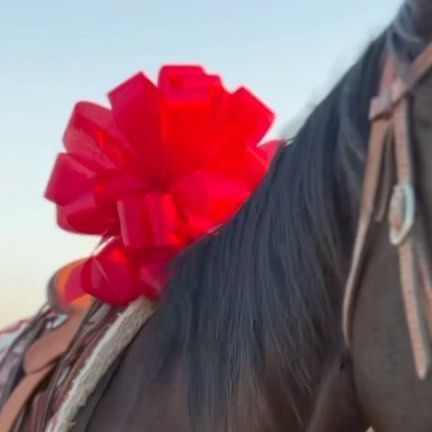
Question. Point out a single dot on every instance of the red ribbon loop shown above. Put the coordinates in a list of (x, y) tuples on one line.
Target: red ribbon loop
[(162, 167)]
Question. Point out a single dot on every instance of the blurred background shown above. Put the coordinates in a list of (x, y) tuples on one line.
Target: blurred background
[(53, 53)]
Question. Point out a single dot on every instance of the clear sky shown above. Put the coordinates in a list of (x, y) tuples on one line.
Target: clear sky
[(53, 53)]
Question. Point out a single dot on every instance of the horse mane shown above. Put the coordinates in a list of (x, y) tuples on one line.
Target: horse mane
[(254, 308), (407, 38)]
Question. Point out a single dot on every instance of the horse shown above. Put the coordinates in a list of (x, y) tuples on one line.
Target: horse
[(248, 335)]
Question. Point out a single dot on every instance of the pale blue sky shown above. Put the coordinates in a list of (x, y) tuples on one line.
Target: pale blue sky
[(53, 53)]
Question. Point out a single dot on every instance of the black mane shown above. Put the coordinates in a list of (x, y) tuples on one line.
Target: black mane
[(254, 309)]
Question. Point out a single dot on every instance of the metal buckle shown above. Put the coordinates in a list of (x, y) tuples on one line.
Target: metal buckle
[(401, 212)]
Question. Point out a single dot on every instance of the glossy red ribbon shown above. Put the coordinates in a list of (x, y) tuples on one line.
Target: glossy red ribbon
[(164, 166)]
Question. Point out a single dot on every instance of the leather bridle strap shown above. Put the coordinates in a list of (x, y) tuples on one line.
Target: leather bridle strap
[(408, 239), (392, 90), (389, 114), (371, 179)]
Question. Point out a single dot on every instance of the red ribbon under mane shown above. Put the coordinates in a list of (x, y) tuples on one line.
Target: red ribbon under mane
[(164, 166)]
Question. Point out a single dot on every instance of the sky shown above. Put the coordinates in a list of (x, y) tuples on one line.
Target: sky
[(54, 53)]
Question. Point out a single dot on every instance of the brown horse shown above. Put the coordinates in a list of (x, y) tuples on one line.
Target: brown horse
[(249, 335)]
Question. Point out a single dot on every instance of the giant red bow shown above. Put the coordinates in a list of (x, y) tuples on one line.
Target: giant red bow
[(164, 166)]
